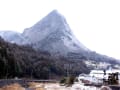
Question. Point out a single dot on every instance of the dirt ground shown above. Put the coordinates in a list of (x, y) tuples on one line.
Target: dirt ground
[(12, 87)]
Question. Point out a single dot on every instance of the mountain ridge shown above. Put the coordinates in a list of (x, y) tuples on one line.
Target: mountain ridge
[(52, 34), (54, 30)]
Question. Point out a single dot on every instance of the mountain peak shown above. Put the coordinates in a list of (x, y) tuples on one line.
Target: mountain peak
[(51, 19), (52, 32), (55, 13), (53, 16), (52, 22)]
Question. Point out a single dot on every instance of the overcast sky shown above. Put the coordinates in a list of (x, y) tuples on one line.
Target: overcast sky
[(96, 23)]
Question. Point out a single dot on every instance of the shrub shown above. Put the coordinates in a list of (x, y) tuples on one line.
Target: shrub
[(67, 80)]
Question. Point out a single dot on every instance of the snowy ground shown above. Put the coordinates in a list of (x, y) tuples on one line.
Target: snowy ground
[(56, 86)]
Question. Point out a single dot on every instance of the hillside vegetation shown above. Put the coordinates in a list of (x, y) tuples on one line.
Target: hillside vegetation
[(25, 62)]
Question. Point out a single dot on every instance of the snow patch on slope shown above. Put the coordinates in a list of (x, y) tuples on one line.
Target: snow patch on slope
[(12, 37)]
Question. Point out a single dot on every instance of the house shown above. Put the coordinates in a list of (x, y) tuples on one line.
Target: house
[(97, 76), (103, 74)]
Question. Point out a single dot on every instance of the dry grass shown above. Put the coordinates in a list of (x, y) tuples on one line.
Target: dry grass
[(36, 86), (33, 84), (13, 87), (39, 88)]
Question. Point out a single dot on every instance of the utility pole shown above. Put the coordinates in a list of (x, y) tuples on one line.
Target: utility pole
[(68, 69)]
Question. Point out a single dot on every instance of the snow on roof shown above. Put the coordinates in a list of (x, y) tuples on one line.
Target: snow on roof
[(102, 71)]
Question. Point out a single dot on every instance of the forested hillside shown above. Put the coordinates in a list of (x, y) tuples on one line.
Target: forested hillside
[(25, 62)]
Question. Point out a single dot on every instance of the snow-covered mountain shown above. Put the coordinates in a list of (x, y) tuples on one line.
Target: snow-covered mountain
[(52, 34)]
